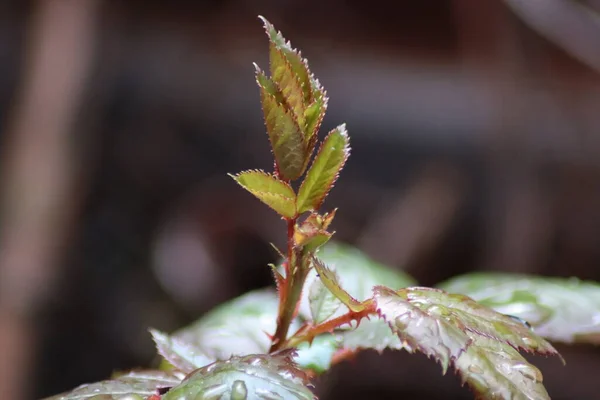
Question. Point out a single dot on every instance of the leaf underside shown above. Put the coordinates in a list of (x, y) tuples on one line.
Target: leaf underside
[(559, 309), (455, 330)]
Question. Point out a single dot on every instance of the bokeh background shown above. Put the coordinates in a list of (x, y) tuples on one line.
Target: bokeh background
[(475, 129)]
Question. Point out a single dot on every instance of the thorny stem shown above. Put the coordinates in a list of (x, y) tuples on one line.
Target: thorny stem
[(291, 290), (308, 332)]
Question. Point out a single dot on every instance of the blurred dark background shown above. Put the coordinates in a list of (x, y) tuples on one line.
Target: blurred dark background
[(475, 129)]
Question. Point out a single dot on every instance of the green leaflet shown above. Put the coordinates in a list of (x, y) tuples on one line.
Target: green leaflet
[(457, 331), (287, 139), (298, 64), (494, 370), (323, 303), (324, 171), (357, 274), (258, 377), (288, 83), (273, 192), (559, 309), (138, 385), (331, 281), (182, 354)]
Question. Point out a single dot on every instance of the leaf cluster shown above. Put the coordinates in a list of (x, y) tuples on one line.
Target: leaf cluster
[(333, 301)]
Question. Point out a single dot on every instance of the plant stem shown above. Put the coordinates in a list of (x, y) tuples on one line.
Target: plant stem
[(289, 295), (308, 332)]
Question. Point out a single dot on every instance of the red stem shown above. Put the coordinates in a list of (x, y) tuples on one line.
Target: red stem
[(308, 332)]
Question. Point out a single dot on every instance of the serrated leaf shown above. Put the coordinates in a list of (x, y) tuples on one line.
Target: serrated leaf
[(250, 377), (268, 85), (317, 355), (181, 354), (467, 315), (453, 329), (293, 57), (283, 75), (331, 282), (324, 171), (138, 385), (314, 113), (272, 191), (562, 310), (357, 274), (494, 370), (432, 335), (323, 304), (287, 139)]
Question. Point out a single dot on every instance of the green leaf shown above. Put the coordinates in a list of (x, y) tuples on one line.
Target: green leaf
[(323, 304), (433, 335), (317, 355), (562, 310), (357, 274), (250, 377), (287, 139), (314, 113), (283, 75), (480, 343), (370, 334), (238, 327), (324, 171), (330, 281), (181, 354), (292, 56), (272, 191), (494, 370), (135, 385), (268, 85)]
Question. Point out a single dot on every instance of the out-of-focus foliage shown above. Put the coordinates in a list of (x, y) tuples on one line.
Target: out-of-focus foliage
[(561, 310)]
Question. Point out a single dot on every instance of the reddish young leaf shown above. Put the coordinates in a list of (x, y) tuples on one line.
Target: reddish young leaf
[(324, 171), (287, 139)]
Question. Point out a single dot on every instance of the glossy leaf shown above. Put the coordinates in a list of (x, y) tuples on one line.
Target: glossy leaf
[(317, 355), (287, 139), (357, 274), (323, 304), (250, 377), (370, 334), (135, 385), (324, 171), (238, 327), (272, 191), (494, 370), (431, 334), (455, 330), (181, 354), (562, 310)]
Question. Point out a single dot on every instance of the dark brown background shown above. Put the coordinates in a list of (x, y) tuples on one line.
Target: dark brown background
[(475, 131)]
